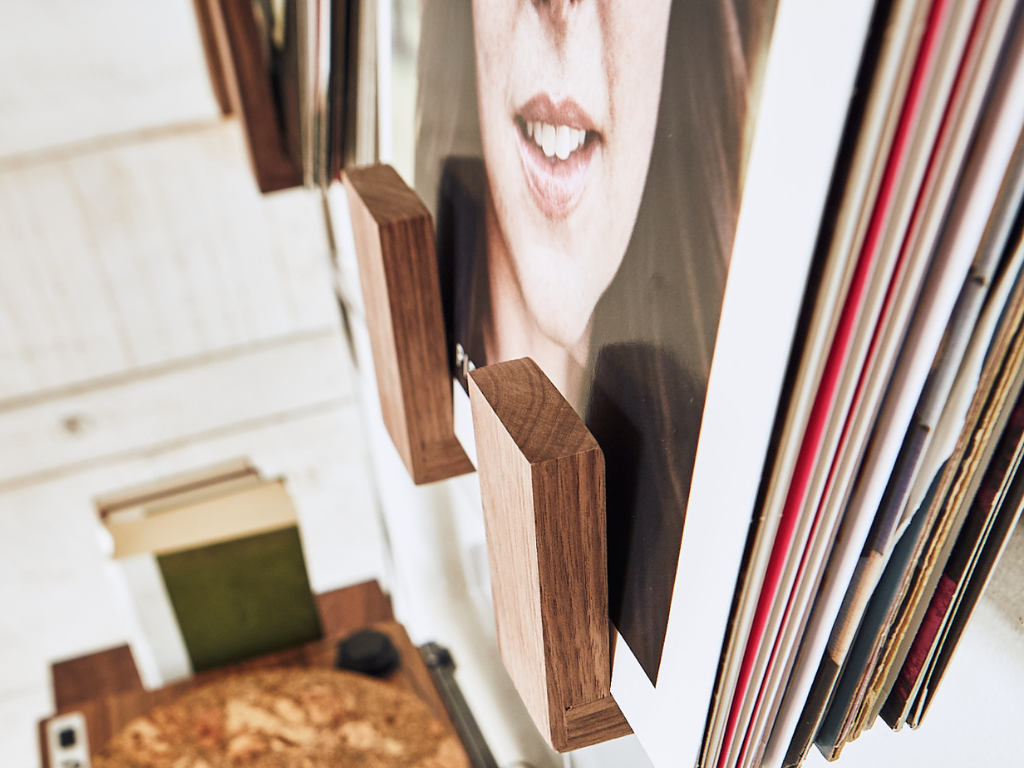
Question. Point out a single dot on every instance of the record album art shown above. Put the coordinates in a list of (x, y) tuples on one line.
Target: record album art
[(587, 181)]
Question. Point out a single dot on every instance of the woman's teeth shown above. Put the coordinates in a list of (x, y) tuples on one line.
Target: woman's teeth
[(556, 140)]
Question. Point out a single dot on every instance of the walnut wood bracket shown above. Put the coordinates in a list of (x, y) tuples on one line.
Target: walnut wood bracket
[(394, 237), (543, 488)]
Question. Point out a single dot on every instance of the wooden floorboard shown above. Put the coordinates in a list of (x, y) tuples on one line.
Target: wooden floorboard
[(104, 673), (343, 611)]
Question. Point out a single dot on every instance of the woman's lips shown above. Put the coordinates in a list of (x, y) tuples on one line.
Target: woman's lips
[(557, 142)]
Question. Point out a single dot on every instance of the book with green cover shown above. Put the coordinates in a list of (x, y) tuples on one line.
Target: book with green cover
[(242, 598)]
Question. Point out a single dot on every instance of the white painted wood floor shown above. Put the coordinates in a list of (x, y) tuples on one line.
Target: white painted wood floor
[(156, 315)]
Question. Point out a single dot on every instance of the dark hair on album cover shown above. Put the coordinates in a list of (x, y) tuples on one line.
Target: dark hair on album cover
[(655, 327)]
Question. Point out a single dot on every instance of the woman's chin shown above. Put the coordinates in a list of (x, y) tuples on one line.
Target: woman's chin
[(561, 270), (564, 324)]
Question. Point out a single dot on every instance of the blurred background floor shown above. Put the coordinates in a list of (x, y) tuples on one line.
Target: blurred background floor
[(157, 315)]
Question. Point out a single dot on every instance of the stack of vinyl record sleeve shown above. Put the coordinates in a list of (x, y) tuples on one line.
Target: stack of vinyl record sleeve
[(307, 46), (293, 70), (890, 487)]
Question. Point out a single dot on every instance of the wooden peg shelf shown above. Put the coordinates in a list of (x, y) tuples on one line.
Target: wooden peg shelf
[(542, 483), (394, 237)]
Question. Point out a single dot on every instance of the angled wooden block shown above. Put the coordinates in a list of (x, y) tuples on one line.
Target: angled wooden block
[(104, 673), (542, 482), (394, 238)]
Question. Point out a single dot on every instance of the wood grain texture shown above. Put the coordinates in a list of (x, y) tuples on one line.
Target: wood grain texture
[(542, 483), (98, 72), (394, 238), (165, 251), (132, 414), (103, 673), (343, 611), (252, 94)]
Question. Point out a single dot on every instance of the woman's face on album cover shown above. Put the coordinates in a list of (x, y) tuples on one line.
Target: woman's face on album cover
[(568, 95)]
